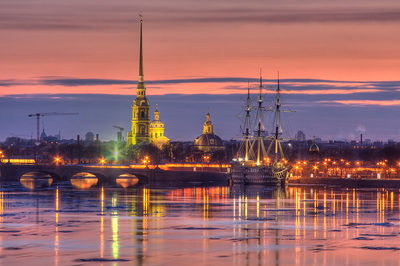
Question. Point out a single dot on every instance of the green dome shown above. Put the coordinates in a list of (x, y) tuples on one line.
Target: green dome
[(314, 148)]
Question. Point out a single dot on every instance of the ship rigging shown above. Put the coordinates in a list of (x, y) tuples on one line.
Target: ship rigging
[(256, 166)]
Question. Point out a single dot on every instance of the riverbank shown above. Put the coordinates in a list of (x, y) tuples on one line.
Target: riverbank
[(348, 182)]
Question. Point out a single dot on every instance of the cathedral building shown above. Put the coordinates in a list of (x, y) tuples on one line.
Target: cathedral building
[(142, 130), (208, 142)]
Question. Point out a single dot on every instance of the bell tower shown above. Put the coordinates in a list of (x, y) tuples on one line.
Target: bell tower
[(141, 107), (208, 126)]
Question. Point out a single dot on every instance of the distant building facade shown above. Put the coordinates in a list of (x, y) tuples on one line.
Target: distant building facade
[(89, 137), (300, 136), (314, 151)]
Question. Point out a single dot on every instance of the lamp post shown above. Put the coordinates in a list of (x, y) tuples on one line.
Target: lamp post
[(58, 160), (146, 161)]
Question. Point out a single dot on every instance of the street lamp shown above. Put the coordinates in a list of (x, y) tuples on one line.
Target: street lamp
[(146, 161), (57, 159)]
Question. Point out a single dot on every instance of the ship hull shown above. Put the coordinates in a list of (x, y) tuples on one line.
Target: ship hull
[(258, 175)]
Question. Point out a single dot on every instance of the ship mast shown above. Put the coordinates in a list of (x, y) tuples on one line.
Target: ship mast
[(247, 122), (275, 141), (278, 118), (259, 125)]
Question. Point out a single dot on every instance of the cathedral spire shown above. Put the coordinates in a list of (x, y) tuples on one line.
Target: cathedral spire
[(141, 88), (141, 107), (141, 77)]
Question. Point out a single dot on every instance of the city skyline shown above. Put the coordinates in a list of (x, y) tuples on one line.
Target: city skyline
[(338, 61)]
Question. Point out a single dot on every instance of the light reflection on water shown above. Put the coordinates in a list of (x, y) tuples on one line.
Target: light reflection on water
[(199, 225)]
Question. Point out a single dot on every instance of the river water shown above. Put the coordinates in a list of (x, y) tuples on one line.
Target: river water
[(62, 225)]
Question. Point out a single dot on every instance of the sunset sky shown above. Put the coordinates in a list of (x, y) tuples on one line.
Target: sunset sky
[(338, 60)]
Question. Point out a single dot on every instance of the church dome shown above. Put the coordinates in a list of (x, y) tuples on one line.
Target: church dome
[(156, 123), (314, 147), (208, 140)]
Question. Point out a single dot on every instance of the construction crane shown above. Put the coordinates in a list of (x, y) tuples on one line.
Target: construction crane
[(38, 115), (119, 134)]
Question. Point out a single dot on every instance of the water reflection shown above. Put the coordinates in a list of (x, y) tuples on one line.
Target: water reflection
[(114, 226), (102, 198), (56, 237), (127, 180), (84, 180), (207, 225), (36, 180)]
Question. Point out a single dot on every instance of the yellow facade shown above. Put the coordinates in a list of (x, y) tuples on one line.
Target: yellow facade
[(157, 131), (140, 132)]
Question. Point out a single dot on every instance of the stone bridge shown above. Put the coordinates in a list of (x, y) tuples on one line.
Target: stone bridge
[(105, 174), (108, 174)]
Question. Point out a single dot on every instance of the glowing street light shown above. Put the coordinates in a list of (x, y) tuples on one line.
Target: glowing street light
[(146, 160)]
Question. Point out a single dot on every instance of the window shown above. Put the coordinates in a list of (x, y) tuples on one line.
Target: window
[(155, 135), (142, 114)]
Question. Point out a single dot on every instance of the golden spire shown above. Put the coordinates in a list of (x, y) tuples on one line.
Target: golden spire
[(141, 77)]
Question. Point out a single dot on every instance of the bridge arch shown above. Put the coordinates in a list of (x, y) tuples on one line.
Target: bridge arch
[(84, 180), (83, 173), (33, 180), (40, 173), (127, 180)]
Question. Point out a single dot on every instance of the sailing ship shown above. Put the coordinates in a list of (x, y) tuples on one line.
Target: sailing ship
[(255, 165)]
